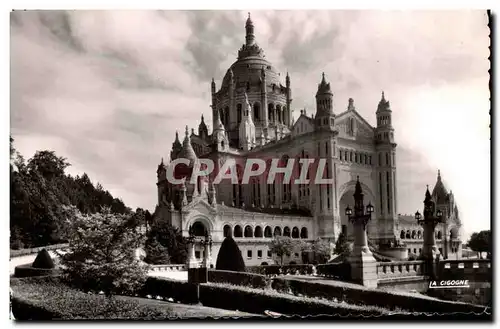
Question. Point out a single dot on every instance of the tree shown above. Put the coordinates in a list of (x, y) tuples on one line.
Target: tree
[(171, 238), (229, 258), (480, 242), (282, 246), (48, 164), (156, 253), (342, 246), (101, 253)]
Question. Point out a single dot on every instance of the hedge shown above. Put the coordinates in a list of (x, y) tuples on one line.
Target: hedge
[(269, 270), (26, 270), (251, 300), (48, 299), (239, 278), (339, 271), (30, 251), (354, 294)]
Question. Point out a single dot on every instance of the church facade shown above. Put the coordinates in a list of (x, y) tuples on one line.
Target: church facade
[(252, 118)]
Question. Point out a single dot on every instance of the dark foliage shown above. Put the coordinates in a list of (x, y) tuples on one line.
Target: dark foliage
[(39, 189), (171, 239), (255, 301), (43, 260), (339, 271), (156, 253), (341, 245), (238, 278), (360, 295), (58, 301), (229, 258), (480, 242), (27, 270)]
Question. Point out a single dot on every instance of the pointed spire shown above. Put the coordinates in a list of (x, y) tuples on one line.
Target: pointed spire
[(439, 175), (384, 104), (187, 133), (177, 136), (287, 79), (162, 161), (324, 87), (202, 119), (427, 195), (350, 105), (249, 27)]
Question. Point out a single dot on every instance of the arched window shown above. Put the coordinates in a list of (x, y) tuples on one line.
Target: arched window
[(268, 233), (413, 234), (286, 231), (402, 236), (303, 233), (199, 229), (295, 233), (439, 235), (227, 231), (277, 231), (408, 235), (248, 232), (238, 233), (270, 112), (419, 235), (258, 232), (278, 114)]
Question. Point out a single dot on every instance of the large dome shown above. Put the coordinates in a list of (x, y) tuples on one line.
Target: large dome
[(251, 61), (248, 69)]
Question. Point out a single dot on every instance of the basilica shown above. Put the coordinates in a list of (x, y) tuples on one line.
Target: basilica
[(252, 118)]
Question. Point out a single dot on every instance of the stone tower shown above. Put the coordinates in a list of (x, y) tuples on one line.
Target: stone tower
[(385, 148)]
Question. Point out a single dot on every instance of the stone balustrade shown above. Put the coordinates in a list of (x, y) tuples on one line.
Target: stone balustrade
[(465, 269), (387, 270), (169, 268)]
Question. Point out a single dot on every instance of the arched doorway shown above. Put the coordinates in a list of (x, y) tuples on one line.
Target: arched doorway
[(347, 199), (199, 229)]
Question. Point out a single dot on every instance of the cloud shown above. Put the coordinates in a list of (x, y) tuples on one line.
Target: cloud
[(108, 89)]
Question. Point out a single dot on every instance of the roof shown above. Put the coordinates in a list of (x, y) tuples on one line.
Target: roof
[(271, 211)]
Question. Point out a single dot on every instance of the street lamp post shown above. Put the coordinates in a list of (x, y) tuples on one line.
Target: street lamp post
[(363, 264), (431, 218), (198, 271)]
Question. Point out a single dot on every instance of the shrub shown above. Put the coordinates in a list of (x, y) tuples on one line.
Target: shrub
[(16, 245), (27, 270), (253, 300), (238, 278), (49, 299), (229, 258), (171, 238), (156, 253), (102, 253), (355, 294), (43, 260), (340, 271)]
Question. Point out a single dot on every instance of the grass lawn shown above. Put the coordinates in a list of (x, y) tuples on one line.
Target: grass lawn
[(46, 298)]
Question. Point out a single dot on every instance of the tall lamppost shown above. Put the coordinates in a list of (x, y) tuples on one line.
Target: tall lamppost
[(363, 264), (359, 220), (431, 218)]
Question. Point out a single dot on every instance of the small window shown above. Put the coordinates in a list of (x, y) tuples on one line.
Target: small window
[(259, 253), (249, 253), (296, 254), (269, 255), (197, 254)]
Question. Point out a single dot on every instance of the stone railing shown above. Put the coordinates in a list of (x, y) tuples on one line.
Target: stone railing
[(399, 269), (169, 268), (465, 269)]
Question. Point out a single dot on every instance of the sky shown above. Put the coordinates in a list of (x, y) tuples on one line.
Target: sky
[(108, 89)]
